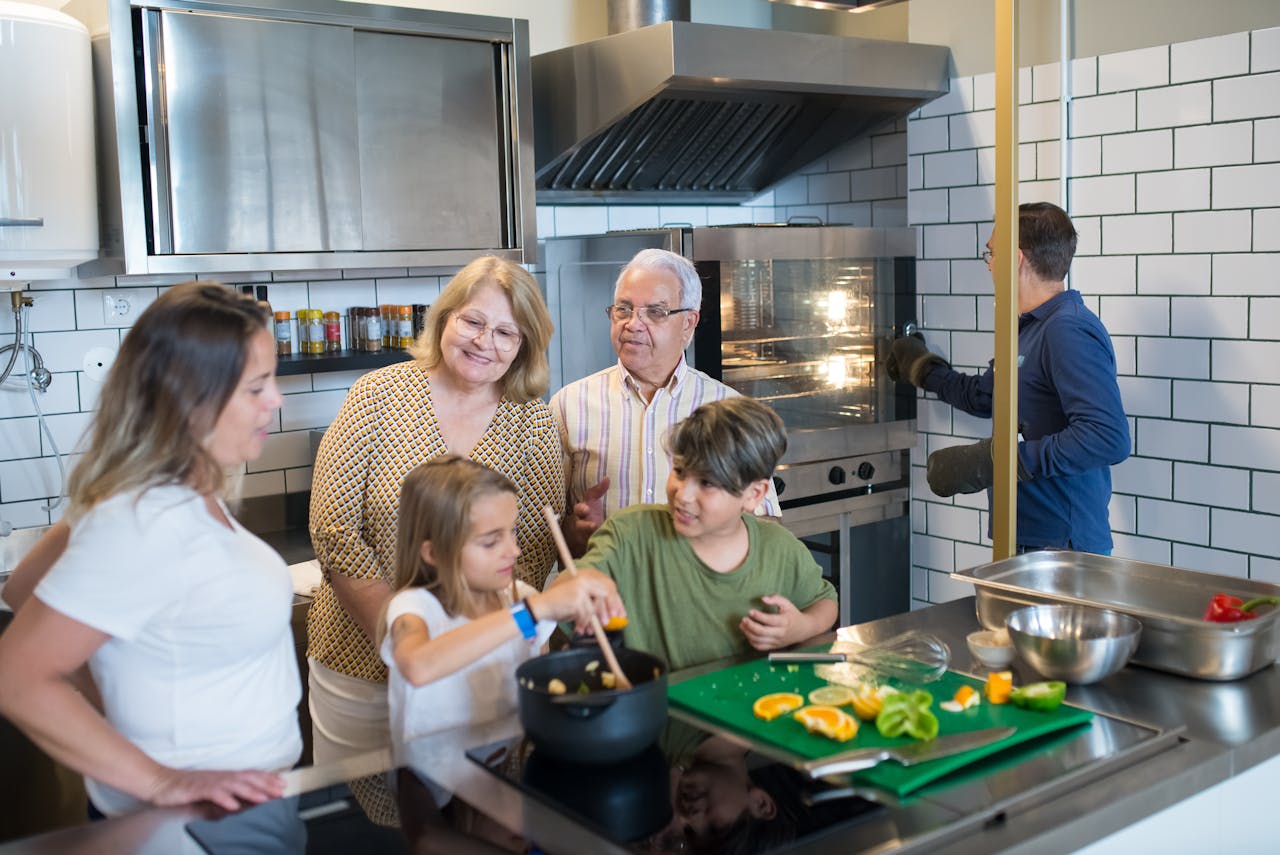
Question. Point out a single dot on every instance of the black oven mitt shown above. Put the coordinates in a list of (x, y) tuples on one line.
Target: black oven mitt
[(910, 360), (964, 469)]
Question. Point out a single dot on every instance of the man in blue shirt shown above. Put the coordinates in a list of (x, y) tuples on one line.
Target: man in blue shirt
[(1072, 426)]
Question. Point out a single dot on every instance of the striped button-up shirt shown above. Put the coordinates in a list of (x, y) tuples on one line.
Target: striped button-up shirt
[(608, 429)]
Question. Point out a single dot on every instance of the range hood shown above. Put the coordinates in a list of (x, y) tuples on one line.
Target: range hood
[(681, 111)]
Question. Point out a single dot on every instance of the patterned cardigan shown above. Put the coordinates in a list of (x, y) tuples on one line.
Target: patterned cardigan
[(386, 427)]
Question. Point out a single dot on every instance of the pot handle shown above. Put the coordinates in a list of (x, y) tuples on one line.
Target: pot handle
[(584, 706)]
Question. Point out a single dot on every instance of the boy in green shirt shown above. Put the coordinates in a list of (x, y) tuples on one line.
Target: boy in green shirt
[(702, 577)]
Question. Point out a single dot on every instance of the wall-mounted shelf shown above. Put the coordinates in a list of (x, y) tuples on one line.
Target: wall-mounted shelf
[(343, 360)]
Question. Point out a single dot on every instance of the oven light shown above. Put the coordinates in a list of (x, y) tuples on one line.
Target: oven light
[(837, 371), (837, 306)]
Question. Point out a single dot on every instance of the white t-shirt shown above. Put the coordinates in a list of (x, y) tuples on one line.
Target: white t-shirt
[(199, 671), (473, 706)]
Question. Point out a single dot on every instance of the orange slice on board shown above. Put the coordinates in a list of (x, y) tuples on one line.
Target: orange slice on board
[(998, 686), (770, 707), (831, 722), (868, 700)]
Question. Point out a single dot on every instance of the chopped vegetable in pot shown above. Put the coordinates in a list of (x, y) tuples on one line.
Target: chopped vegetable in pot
[(1041, 697)]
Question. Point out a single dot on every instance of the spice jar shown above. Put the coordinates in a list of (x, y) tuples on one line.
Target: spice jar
[(315, 331), (284, 334), (355, 328), (386, 314), (332, 332), (304, 334), (404, 327), (373, 330), (419, 319)]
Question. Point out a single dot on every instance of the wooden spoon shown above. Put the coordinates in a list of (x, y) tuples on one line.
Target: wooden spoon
[(620, 679)]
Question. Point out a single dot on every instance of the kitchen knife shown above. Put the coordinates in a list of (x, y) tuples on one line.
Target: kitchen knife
[(907, 755)]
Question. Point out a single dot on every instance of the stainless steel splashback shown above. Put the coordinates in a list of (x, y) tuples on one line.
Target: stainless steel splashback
[(291, 135)]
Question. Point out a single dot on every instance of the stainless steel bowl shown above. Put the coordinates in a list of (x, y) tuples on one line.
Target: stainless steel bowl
[(1076, 644)]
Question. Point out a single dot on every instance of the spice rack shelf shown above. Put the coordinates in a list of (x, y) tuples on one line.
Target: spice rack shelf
[(343, 360)]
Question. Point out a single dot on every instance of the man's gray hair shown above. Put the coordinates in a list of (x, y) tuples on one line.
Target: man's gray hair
[(663, 261)]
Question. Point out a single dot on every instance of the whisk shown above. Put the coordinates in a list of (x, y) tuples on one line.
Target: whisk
[(912, 657)]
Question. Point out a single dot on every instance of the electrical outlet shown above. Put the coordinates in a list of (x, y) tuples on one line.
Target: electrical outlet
[(115, 308)]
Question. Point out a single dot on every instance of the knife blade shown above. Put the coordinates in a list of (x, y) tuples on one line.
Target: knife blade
[(813, 656), (911, 753)]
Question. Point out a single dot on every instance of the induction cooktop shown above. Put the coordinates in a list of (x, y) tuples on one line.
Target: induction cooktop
[(691, 791)]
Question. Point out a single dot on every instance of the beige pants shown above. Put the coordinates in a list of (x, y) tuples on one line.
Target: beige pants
[(349, 716)]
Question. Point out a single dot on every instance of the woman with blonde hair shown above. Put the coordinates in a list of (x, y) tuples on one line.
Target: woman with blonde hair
[(473, 389), (181, 615)]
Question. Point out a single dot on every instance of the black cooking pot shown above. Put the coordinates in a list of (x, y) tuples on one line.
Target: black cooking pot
[(629, 800), (602, 726)]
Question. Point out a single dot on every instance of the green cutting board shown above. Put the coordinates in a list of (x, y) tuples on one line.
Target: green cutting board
[(724, 699)]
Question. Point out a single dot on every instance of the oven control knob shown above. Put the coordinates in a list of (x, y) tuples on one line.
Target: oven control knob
[(836, 475), (866, 470), (779, 486)]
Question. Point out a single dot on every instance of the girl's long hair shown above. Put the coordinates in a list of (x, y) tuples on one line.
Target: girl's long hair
[(175, 371), (435, 504)]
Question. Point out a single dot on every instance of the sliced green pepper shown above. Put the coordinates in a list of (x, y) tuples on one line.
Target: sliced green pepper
[(907, 713), (1041, 697)]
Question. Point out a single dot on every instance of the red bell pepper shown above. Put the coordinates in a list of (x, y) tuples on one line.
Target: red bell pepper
[(1224, 608)]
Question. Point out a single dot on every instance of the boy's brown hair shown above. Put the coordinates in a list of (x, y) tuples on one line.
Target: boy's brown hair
[(732, 443)]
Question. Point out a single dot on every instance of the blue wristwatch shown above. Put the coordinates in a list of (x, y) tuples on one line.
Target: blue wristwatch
[(524, 619)]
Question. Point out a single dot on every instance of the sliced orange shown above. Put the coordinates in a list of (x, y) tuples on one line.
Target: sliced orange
[(868, 701), (615, 623), (771, 706), (831, 722), (831, 696), (998, 686), (966, 696)]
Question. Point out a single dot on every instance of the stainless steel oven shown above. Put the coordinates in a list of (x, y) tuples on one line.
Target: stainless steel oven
[(798, 317)]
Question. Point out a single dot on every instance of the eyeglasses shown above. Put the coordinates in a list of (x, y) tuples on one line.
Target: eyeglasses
[(986, 255), (649, 314), (505, 339)]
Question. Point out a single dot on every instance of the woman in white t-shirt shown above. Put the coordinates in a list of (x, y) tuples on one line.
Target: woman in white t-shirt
[(459, 623), (180, 614)]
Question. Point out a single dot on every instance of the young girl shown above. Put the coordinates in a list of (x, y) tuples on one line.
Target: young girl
[(458, 625)]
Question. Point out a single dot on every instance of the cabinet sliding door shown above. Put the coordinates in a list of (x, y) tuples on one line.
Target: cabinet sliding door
[(261, 148)]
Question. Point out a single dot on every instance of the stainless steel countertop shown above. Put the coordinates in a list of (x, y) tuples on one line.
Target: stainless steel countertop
[(1211, 731)]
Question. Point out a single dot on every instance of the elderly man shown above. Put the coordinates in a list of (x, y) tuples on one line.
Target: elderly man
[(1072, 426), (614, 423)]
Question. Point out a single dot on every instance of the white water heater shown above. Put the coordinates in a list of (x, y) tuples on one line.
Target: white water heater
[(48, 190)]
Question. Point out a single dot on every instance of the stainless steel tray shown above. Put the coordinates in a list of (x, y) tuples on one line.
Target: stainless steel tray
[(1168, 600)]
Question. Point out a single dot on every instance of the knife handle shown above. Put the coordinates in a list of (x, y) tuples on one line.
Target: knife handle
[(793, 658)]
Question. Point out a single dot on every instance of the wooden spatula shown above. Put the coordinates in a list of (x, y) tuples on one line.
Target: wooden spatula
[(620, 679)]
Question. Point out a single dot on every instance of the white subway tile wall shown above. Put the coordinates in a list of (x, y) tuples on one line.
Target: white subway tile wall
[(1174, 165), (69, 321)]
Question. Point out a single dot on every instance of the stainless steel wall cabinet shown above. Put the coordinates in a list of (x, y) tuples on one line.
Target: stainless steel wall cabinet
[(316, 135)]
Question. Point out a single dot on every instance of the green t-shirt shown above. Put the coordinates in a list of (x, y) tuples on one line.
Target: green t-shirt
[(678, 607)]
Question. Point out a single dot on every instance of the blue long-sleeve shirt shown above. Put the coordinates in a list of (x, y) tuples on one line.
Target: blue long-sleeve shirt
[(1070, 417)]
